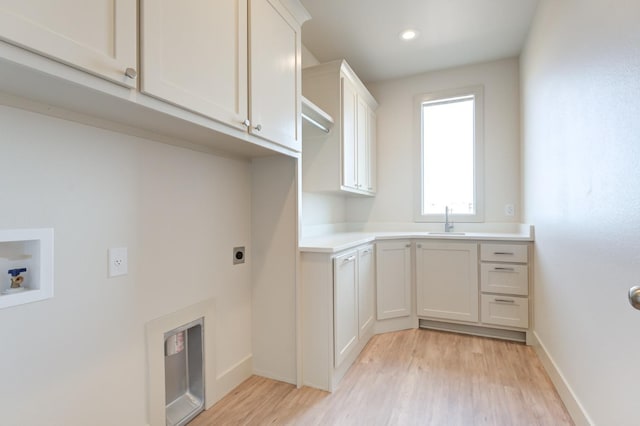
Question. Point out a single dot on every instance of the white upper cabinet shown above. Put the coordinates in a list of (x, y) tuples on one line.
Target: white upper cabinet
[(372, 150), (275, 67), (362, 146), (97, 36), (350, 130), (344, 160), (222, 74), (236, 61), (194, 54)]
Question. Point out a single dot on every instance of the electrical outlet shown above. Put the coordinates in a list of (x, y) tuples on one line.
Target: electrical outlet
[(118, 262), (238, 255), (509, 210)]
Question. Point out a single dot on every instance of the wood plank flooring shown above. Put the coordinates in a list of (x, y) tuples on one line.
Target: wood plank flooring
[(412, 377)]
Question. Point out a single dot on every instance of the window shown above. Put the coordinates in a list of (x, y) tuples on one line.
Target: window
[(450, 155)]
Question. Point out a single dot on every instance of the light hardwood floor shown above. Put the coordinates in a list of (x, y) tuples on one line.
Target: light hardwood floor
[(412, 377)]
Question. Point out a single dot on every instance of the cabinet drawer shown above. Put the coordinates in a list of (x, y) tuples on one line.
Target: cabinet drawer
[(505, 279), (507, 311), (504, 252)]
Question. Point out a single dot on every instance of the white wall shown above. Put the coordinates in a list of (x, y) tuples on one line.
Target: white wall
[(320, 208), (308, 59), (581, 157), (397, 141), (80, 358), (275, 258)]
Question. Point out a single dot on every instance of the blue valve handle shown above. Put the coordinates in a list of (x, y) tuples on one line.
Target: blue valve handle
[(16, 272)]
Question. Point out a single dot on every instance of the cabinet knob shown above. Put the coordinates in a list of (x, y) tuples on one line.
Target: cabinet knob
[(408, 245), (258, 127), (246, 123), (634, 297), (131, 73)]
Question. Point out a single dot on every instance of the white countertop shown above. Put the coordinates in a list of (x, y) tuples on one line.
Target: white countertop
[(339, 241)]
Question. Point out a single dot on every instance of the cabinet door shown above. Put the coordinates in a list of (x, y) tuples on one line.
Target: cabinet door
[(349, 134), (362, 146), (372, 147), (366, 289), (345, 305), (447, 280), (97, 36), (194, 54), (393, 279), (275, 69)]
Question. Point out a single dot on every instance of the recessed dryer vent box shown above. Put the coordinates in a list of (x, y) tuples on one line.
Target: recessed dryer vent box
[(184, 372)]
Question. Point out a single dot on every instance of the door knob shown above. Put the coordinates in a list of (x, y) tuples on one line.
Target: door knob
[(634, 297)]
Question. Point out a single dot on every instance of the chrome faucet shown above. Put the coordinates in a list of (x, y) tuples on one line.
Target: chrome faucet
[(448, 226)]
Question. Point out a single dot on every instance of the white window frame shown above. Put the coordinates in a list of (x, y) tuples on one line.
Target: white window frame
[(478, 93)]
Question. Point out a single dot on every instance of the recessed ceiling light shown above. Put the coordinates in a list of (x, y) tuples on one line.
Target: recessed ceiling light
[(408, 34)]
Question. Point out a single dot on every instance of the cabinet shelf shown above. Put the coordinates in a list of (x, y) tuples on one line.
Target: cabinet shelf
[(316, 117)]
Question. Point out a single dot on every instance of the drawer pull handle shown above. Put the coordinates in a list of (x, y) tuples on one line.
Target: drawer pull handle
[(349, 259), (503, 253), (497, 268), (367, 251), (505, 300)]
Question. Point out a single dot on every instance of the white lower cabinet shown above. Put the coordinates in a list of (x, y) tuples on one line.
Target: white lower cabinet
[(504, 278), (508, 311), (393, 279), (447, 280), (337, 312), (483, 286), (460, 285), (345, 305), (366, 289)]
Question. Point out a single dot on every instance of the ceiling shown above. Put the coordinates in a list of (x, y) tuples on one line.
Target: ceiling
[(451, 33)]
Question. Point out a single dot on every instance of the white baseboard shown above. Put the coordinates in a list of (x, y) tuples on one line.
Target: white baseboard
[(229, 379), (395, 324), (576, 410), (277, 377)]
